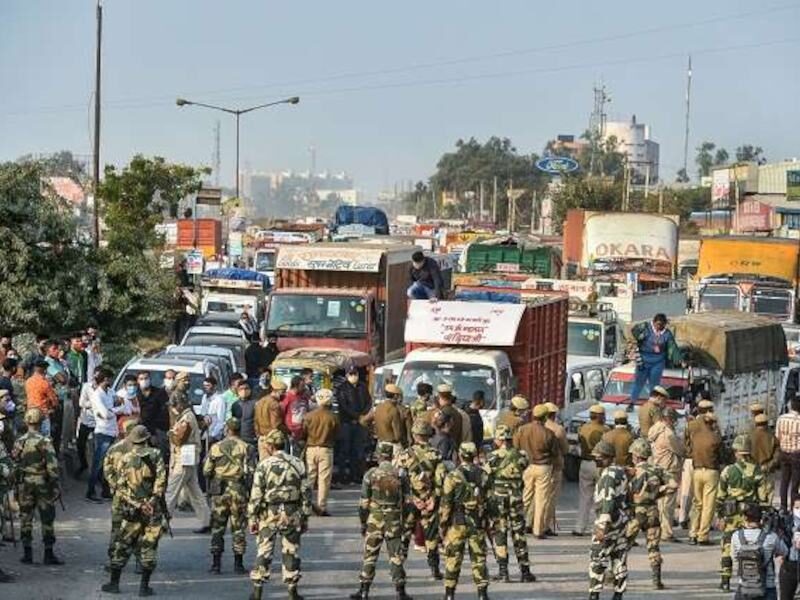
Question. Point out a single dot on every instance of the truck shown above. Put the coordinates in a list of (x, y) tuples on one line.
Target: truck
[(202, 234), (500, 349), (355, 221), (510, 255), (339, 295), (267, 241), (231, 290), (748, 274)]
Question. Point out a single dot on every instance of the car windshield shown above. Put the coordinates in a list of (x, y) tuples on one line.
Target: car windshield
[(195, 391), (616, 386), (465, 379), (265, 261), (583, 339), (230, 343), (776, 303), (317, 316), (719, 297), (285, 374)]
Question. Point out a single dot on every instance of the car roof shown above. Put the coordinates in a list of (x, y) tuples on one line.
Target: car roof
[(217, 340), (163, 363), (574, 361), (200, 350), (215, 330)]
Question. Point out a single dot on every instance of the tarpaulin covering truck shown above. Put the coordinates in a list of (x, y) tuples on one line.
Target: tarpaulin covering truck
[(510, 255), (230, 290), (336, 295), (499, 349), (749, 274)]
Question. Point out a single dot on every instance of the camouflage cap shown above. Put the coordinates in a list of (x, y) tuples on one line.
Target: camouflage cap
[(128, 425), (540, 411), (422, 427), (467, 450), (661, 391), (33, 416), (520, 402), (138, 435), (669, 413), (551, 408), (603, 449), (503, 432), (741, 444), (385, 450), (640, 447), (233, 424), (275, 438), (620, 415), (597, 409), (761, 419)]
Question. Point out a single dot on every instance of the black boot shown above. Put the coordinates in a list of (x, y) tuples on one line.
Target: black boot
[(362, 593), (144, 584), (433, 563), (449, 593), (50, 558), (112, 587), (137, 566), (526, 575), (27, 558), (238, 565), (293, 595), (617, 596), (594, 595), (483, 593), (5, 577), (255, 594), (216, 563), (657, 583), (725, 584), (502, 572), (400, 588)]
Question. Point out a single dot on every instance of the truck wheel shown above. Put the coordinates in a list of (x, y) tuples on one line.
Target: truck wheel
[(571, 467)]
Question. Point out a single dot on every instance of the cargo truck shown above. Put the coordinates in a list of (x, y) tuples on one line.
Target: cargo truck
[(267, 241), (748, 274), (203, 234), (338, 295), (230, 290), (500, 349), (510, 255)]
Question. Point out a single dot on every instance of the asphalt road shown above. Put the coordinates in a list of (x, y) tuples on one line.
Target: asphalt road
[(331, 555)]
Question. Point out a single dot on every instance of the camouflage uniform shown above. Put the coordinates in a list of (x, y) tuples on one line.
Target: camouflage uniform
[(6, 481), (227, 469), (740, 484), (462, 516), (382, 510), (504, 467), (418, 408), (609, 540), (111, 468), (424, 467), (280, 503), (37, 474), (648, 483)]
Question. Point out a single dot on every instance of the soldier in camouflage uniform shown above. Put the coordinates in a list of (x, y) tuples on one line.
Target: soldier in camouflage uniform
[(422, 402), (37, 474), (227, 469), (383, 511), (111, 470), (648, 482), (140, 486), (462, 516), (424, 467), (506, 511), (6, 483), (740, 484), (280, 503), (609, 540)]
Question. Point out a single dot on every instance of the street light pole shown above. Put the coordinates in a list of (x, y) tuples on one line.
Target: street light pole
[(238, 114)]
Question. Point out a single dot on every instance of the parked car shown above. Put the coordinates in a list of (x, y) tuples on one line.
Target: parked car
[(222, 357), (213, 330), (226, 342)]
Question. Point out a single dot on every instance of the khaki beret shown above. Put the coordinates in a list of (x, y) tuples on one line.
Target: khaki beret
[(620, 415), (756, 407), (760, 419), (277, 384), (540, 411), (444, 388), (391, 388), (660, 391), (597, 409), (520, 402), (703, 404), (551, 408)]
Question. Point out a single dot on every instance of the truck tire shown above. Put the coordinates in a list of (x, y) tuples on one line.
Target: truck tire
[(572, 466)]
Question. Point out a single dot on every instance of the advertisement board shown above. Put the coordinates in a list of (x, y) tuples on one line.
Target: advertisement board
[(194, 262), (318, 258), (463, 323), (720, 185), (753, 216)]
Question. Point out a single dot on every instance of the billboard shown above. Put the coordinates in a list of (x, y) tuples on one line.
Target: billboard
[(720, 185), (463, 323), (752, 216)]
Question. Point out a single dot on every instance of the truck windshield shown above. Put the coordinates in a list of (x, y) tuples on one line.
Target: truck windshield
[(773, 303), (466, 379), (583, 339), (317, 316), (619, 389), (719, 297), (265, 261)]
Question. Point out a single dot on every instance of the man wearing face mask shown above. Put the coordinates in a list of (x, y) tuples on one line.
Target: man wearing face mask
[(254, 358), (213, 410), (245, 410), (270, 350), (130, 394), (154, 410), (354, 402)]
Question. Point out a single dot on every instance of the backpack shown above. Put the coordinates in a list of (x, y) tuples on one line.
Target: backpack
[(752, 567)]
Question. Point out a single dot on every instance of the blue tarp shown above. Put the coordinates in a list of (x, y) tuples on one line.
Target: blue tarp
[(237, 274), (362, 215), (473, 296)]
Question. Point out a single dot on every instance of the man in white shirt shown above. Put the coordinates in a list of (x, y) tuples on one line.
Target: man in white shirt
[(213, 409), (771, 546), (86, 422), (106, 408)]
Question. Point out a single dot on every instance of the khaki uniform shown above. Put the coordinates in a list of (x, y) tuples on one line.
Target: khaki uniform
[(388, 423), (588, 435), (558, 469), (268, 416), (706, 448), (621, 438), (322, 427), (648, 416), (668, 453), (186, 432), (466, 427), (686, 492), (456, 422), (540, 446), (766, 453), (510, 419)]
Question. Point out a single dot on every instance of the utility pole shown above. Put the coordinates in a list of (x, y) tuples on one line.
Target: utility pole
[(661, 200), (96, 157), (217, 158), (494, 201), (647, 179), (480, 218), (597, 122), (533, 211), (688, 104)]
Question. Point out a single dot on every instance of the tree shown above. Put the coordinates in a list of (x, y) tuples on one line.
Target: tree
[(720, 157), (45, 275), (682, 176), (750, 153), (705, 158), (590, 193), (608, 159)]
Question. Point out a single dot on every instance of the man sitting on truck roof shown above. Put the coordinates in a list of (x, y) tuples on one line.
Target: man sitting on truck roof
[(654, 345), (426, 278)]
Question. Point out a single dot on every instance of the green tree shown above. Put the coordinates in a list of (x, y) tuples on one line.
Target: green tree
[(750, 153), (609, 160), (45, 274), (705, 159), (590, 193), (681, 176), (720, 157)]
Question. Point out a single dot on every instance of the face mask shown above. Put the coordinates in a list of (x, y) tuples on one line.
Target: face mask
[(144, 384), (263, 381), (130, 390), (796, 513), (352, 379), (169, 384)]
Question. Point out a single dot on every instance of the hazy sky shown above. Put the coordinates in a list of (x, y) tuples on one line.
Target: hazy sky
[(386, 87)]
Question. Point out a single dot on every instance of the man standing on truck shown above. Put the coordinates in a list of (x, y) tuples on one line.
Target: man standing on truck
[(425, 278), (654, 345)]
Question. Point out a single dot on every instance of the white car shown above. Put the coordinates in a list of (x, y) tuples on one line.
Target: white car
[(212, 331), (226, 353)]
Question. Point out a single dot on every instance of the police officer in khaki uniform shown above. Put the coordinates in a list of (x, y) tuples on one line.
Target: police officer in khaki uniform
[(588, 436), (388, 420), (558, 465), (446, 402), (621, 439), (686, 492), (540, 445), (765, 450), (514, 418), (321, 427), (650, 411), (706, 455)]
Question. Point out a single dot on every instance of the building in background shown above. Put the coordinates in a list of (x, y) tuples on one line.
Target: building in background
[(633, 140)]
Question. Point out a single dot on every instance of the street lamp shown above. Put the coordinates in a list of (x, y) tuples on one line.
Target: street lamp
[(181, 102)]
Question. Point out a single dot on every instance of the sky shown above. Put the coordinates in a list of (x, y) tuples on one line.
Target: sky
[(386, 88)]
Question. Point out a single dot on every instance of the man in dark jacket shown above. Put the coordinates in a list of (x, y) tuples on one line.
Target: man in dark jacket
[(154, 411), (354, 402), (426, 278), (475, 418)]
